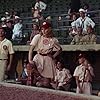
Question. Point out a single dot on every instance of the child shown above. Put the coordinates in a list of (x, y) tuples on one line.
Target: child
[(26, 74), (63, 77)]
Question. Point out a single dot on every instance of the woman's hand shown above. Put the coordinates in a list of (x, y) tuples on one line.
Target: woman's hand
[(32, 62)]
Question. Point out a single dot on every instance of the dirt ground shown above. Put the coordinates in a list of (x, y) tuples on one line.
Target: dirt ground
[(11, 93)]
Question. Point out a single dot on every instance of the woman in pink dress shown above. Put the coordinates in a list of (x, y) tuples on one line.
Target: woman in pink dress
[(45, 44)]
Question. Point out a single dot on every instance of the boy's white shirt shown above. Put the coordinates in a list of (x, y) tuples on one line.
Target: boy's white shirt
[(61, 76)]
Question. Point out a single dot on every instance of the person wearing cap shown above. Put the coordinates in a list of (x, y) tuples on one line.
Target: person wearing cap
[(44, 59), (17, 30), (6, 54), (84, 21), (83, 75)]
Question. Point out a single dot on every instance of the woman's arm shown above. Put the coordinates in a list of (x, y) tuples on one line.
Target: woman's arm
[(30, 54)]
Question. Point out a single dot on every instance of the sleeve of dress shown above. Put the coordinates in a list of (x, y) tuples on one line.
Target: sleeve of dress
[(56, 44), (35, 40)]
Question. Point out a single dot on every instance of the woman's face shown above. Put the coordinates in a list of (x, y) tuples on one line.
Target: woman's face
[(46, 32)]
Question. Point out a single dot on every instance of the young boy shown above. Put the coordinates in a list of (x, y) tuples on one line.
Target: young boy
[(63, 77)]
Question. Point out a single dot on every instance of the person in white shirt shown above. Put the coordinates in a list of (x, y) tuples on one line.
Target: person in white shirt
[(63, 77), (38, 9), (17, 30), (40, 5), (84, 21), (6, 55), (83, 75)]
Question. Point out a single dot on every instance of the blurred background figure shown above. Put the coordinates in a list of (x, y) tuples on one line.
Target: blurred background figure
[(38, 9), (3, 22), (90, 37), (17, 30), (63, 77), (7, 15), (84, 21), (9, 29), (78, 38), (35, 31), (87, 10)]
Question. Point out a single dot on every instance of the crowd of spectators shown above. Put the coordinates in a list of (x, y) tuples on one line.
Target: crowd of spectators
[(13, 24)]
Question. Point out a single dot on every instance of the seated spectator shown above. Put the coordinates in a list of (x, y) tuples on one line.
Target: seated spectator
[(72, 29), (35, 31), (90, 38), (29, 75), (40, 5), (84, 21), (63, 77), (7, 15), (73, 32), (38, 9), (73, 18), (9, 29), (3, 22), (17, 30), (78, 39), (24, 76)]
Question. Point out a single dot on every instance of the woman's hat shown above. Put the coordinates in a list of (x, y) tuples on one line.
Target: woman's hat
[(45, 25)]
